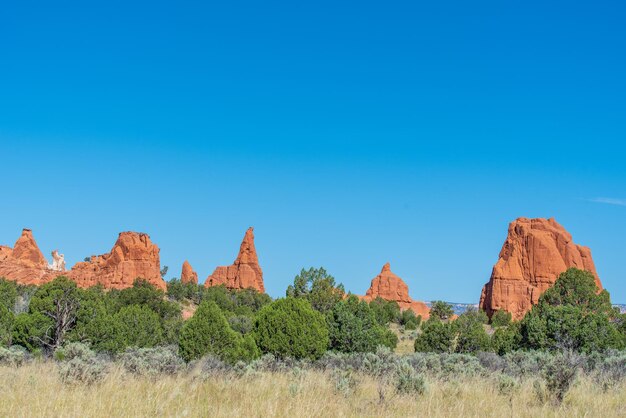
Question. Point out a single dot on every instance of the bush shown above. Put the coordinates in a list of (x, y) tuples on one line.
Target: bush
[(501, 318), (353, 328), (152, 361), (30, 330), (441, 310), (409, 320), (386, 311), (408, 381), (291, 328), (208, 332), (318, 287), (79, 364), (506, 339), (560, 374), (136, 326), (436, 336), (13, 356), (7, 321)]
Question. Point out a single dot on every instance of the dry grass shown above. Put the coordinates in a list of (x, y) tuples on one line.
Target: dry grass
[(35, 390)]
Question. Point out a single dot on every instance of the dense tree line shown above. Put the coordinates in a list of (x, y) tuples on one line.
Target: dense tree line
[(315, 316)]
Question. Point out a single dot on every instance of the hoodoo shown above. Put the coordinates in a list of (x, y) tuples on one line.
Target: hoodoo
[(244, 273), (133, 256), (188, 275), (389, 286), (534, 254)]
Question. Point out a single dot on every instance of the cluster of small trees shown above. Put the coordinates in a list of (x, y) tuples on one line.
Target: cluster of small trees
[(572, 315), (315, 316)]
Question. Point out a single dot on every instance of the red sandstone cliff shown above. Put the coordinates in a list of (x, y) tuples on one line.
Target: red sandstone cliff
[(24, 263), (535, 253), (389, 286), (244, 273)]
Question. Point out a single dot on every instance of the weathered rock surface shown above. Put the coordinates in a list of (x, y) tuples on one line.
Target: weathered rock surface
[(133, 256), (188, 275), (58, 261), (244, 273), (535, 253), (24, 263), (389, 286)]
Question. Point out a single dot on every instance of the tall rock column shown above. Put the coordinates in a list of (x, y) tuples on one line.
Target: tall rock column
[(244, 273)]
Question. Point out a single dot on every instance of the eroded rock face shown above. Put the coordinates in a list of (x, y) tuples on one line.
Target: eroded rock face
[(535, 253), (24, 263), (389, 286), (133, 256), (244, 273), (188, 275)]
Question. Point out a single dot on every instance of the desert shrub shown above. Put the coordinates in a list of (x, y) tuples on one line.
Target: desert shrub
[(441, 310), (526, 363), (136, 326), (506, 384), (7, 321), (79, 364), (345, 381), (491, 361), (8, 293), (176, 290), (142, 293), (290, 327), (460, 365), (31, 330), (247, 350), (610, 371), (385, 311), (572, 315), (470, 332), (425, 363), (211, 366), (407, 380), (318, 287), (235, 302), (560, 374), (436, 337), (409, 320), (353, 328), (241, 323), (152, 361), (13, 356), (208, 332), (506, 339), (58, 300), (82, 371), (501, 318)]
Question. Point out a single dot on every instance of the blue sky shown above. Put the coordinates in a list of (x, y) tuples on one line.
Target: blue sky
[(348, 134)]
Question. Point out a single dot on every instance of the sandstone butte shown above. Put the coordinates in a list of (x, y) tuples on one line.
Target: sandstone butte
[(133, 256), (188, 275), (244, 273), (535, 253), (389, 286)]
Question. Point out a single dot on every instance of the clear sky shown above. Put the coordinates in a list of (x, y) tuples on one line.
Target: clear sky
[(348, 134)]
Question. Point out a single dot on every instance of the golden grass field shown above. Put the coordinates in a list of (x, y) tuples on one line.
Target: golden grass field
[(35, 390)]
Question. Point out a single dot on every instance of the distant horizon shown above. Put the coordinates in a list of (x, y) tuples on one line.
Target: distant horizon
[(202, 278)]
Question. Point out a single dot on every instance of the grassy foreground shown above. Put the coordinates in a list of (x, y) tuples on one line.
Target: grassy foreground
[(35, 389)]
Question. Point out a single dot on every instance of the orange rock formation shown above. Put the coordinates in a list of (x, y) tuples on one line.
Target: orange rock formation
[(535, 253), (24, 263), (188, 275), (244, 273), (388, 286), (133, 256)]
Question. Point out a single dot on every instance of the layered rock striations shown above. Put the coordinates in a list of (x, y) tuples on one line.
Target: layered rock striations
[(389, 286), (188, 275), (133, 256), (534, 254), (244, 273)]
